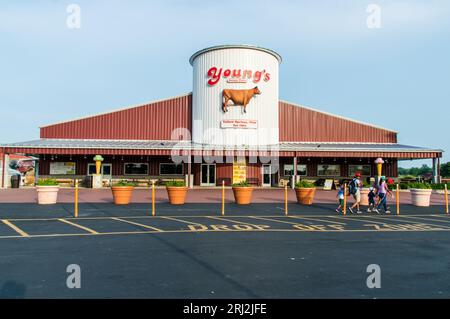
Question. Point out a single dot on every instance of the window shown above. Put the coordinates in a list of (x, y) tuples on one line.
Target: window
[(288, 170), (328, 170), (136, 169), (170, 169), (365, 170)]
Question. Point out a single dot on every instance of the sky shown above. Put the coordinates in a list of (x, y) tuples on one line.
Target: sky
[(395, 75)]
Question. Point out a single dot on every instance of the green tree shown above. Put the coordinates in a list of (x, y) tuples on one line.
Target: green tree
[(445, 169)]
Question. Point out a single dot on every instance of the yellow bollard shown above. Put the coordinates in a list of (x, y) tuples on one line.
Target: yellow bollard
[(223, 198), (344, 209), (446, 198), (76, 199), (398, 199), (285, 200), (153, 198)]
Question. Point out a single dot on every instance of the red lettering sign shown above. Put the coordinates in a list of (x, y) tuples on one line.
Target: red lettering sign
[(236, 75)]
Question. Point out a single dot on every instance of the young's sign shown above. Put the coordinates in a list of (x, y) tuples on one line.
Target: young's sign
[(236, 75)]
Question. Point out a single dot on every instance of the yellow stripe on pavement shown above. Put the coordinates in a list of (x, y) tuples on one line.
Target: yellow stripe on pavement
[(136, 224), (78, 226), (316, 219), (231, 220), (181, 220), (16, 229)]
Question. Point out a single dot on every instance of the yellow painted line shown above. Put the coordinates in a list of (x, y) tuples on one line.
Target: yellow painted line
[(136, 224), (15, 228), (316, 219), (182, 221), (273, 220), (79, 226), (232, 220), (426, 219)]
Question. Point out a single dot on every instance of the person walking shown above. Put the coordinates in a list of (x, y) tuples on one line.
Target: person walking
[(340, 196), (383, 191), (372, 194), (354, 188)]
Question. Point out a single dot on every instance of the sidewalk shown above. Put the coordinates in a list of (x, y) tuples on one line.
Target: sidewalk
[(276, 195)]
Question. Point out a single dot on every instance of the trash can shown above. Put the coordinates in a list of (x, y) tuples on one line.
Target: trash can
[(15, 181)]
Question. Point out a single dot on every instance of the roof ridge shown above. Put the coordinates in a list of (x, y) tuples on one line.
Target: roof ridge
[(338, 116), (118, 110)]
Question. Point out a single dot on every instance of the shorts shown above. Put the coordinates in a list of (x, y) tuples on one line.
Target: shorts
[(357, 196), (371, 201), (341, 201)]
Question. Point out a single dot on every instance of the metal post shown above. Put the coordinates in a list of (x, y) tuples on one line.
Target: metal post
[(344, 210), (223, 198), (76, 199), (446, 198), (398, 199), (295, 173), (3, 167), (285, 200), (153, 198)]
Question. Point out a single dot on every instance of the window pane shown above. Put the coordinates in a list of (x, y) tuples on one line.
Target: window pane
[(288, 169), (91, 169), (365, 170), (328, 170), (301, 170), (136, 169), (171, 169)]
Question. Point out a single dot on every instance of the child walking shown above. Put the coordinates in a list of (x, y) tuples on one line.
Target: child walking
[(372, 196), (340, 196)]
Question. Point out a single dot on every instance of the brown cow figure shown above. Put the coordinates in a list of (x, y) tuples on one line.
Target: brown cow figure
[(238, 97)]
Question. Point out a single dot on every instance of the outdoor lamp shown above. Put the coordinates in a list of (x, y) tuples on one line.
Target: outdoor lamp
[(98, 163)]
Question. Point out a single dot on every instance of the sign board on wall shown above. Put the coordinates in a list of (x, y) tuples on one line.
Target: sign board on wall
[(239, 124), (239, 171), (62, 168)]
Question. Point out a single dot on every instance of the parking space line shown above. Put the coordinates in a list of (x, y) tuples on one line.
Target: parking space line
[(137, 224), (78, 226), (273, 220), (15, 228), (357, 219), (317, 219), (181, 220)]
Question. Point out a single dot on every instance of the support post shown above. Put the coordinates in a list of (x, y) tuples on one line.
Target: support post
[(223, 198), (295, 173), (285, 200), (446, 198), (435, 171), (397, 199), (3, 167), (153, 198), (76, 199), (344, 210)]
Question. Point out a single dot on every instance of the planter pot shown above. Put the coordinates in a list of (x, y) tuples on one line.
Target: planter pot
[(177, 195), (47, 194), (305, 195), (122, 194), (364, 196), (242, 195), (420, 197)]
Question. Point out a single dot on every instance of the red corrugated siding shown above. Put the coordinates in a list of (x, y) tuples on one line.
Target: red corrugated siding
[(298, 124), (154, 121)]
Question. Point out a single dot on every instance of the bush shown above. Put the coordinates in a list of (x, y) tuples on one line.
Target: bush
[(440, 186), (242, 184), (304, 184), (176, 184), (47, 182), (403, 185), (124, 183), (418, 185)]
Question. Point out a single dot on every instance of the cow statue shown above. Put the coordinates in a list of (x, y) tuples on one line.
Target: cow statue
[(238, 97)]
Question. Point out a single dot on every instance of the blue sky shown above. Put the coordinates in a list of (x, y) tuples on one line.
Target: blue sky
[(397, 76)]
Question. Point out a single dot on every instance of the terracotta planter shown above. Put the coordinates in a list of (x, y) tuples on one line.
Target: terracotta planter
[(305, 195), (364, 196), (420, 197), (122, 194), (177, 194), (242, 195), (47, 194)]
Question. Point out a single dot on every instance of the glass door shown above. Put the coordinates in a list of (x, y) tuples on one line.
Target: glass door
[(208, 175), (266, 175)]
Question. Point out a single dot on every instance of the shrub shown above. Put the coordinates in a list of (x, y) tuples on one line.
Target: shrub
[(304, 184), (124, 183), (242, 184), (47, 182), (418, 185), (440, 186), (404, 185), (176, 184)]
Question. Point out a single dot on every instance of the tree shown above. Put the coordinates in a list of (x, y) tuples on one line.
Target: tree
[(445, 169)]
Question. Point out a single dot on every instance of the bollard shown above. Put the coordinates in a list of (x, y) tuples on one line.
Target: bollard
[(76, 199), (285, 200), (398, 199), (153, 198), (223, 198), (344, 209), (446, 198)]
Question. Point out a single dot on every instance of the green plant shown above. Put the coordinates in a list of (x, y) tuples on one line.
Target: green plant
[(403, 185), (440, 186), (244, 183), (47, 182), (176, 184), (123, 182), (304, 184), (418, 185)]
